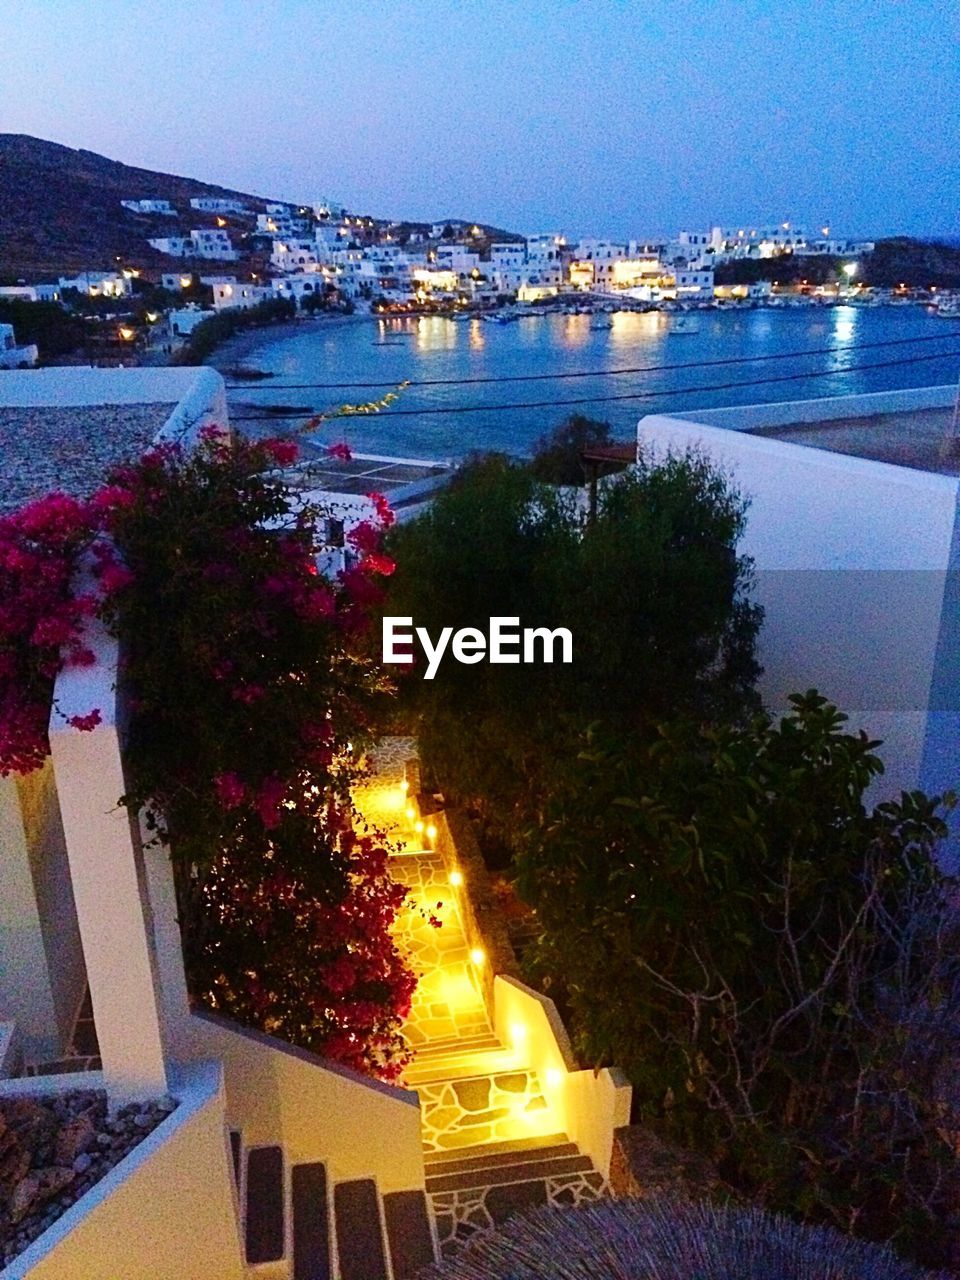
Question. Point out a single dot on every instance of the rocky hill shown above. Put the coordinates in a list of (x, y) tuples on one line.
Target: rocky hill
[(60, 209)]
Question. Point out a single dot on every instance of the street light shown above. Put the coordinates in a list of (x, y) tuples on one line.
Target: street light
[(849, 270)]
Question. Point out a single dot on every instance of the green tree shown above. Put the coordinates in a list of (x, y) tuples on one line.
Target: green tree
[(652, 592), (556, 456), (774, 963)]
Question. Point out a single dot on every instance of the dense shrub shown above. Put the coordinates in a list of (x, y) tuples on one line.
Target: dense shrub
[(652, 591), (775, 964), (556, 456)]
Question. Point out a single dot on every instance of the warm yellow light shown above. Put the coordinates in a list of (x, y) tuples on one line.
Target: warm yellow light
[(410, 812), (418, 828), (185, 281), (153, 316), (554, 1077), (404, 785), (431, 832), (850, 269), (456, 879), (518, 1032), (127, 334), (477, 956)]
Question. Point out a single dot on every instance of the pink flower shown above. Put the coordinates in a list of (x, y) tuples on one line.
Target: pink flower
[(364, 536), (115, 577), (283, 452), (341, 451), (230, 790), (269, 801), (85, 723), (377, 563)]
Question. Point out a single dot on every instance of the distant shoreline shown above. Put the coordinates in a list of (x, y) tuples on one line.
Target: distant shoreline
[(235, 350)]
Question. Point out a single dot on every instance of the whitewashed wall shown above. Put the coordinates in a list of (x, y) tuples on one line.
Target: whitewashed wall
[(852, 558)]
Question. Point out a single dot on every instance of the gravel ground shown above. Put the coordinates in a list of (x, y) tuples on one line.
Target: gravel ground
[(53, 1149), (69, 447)]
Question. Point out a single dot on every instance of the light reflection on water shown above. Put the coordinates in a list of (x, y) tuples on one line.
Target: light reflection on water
[(390, 351)]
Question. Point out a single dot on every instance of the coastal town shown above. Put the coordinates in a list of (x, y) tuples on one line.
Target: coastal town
[(230, 255)]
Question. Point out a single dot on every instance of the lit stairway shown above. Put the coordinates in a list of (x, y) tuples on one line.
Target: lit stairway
[(491, 1145), (325, 1230)]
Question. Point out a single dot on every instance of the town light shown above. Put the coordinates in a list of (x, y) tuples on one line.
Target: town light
[(411, 813), (127, 334), (431, 832), (477, 956), (850, 269), (456, 879)]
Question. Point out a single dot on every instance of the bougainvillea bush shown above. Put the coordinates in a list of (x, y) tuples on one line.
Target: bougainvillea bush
[(249, 700)]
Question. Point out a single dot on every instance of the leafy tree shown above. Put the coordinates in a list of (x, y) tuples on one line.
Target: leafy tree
[(652, 592), (556, 456), (774, 963), (55, 331)]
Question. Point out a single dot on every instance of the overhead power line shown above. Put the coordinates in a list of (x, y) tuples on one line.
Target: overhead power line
[(634, 395), (588, 373)]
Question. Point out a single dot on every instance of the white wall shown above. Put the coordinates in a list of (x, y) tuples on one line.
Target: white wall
[(851, 558), (590, 1105)]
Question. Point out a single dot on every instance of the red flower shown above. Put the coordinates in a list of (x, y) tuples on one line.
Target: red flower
[(341, 451)]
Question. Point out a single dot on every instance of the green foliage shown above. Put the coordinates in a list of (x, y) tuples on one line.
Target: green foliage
[(209, 334), (54, 329), (774, 963), (652, 593), (556, 456)]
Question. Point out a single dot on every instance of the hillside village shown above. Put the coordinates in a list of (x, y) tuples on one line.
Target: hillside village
[(190, 252)]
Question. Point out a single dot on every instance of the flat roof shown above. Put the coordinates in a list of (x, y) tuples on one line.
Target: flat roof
[(923, 439), (363, 473), (70, 447)]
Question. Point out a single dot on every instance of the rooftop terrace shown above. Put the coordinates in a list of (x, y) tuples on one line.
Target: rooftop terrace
[(924, 439), (915, 428), (69, 447)]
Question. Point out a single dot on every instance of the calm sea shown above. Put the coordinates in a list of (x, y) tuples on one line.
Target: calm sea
[(676, 374)]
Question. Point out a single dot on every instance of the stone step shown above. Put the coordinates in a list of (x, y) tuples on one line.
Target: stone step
[(472, 1159), (441, 1159), (360, 1246), (535, 1170), (432, 1050), (408, 1232), (311, 1222), (463, 1066), (265, 1217)]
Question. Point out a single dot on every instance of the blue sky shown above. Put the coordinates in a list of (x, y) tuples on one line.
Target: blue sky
[(588, 116)]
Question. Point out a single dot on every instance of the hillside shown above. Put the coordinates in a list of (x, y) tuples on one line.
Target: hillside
[(898, 260), (60, 209)]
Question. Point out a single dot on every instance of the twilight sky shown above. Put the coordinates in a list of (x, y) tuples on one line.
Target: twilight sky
[(607, 117)]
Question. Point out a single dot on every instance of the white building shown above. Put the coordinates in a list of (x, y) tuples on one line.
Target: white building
[(217, 204), (12, 356), (99, 284), (307, 284), (696, 284), (508, 254), (295, 255), (854, 530), (184, 320), (173, 246), (545, 247), (19, 292), (245, 296), (162, 207), (458, 257), (176, 281), (329, 210), (213, 242)]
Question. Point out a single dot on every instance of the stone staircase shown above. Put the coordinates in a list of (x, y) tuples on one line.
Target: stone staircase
[(492, 1147), (320, 1229)]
